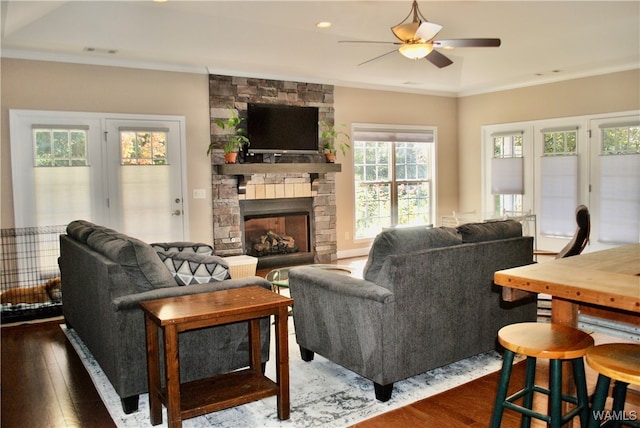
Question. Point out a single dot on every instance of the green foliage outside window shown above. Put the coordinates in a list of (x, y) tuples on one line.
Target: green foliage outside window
[(622, 140), (60, 147), (382, 166), (561, 143), (143, 147)]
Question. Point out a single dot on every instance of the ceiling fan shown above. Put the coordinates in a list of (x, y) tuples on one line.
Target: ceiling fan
[(417, 40)]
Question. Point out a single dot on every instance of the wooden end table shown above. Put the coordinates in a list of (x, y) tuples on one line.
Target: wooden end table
[(178, 314)]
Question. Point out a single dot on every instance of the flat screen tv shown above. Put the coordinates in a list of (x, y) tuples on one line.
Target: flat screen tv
[(276, 128)]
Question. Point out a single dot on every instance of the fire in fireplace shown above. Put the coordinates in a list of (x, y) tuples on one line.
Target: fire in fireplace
[(278, 231)]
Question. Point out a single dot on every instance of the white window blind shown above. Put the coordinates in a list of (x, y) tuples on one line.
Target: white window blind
[(620, 198), (392, 135), (559, 181), (507, 176), (559, 195)]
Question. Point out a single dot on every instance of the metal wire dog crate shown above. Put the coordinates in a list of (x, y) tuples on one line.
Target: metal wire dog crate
[(28, 285)]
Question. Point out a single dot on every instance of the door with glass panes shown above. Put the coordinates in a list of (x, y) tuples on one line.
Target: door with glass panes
[(119, 171)]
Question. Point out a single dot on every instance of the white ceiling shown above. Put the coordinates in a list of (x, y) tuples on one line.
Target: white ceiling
[(542, 41)]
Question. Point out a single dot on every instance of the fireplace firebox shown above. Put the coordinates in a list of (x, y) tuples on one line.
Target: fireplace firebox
[(279, 232)]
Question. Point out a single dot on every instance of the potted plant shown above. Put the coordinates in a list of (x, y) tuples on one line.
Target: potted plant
[(237, 136), (333, 139)]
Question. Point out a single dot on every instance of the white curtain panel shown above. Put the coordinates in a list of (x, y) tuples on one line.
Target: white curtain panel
[(558, 195), (620, 199), (507, 176)]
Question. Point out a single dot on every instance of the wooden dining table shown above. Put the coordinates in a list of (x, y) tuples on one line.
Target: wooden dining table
[(609, 279)]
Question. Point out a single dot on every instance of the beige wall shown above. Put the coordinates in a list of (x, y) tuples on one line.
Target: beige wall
[(381, 107), (615, 92), (39, 85)]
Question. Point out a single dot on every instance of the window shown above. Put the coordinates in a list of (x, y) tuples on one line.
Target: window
[(620, 183), (394, 170), (506, 146), (617, 140), (143, 147), (559, 181), (59, 146), (61, 174), (592, 160)]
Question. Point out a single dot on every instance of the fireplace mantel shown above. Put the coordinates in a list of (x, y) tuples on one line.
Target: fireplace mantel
[(277, 168), (243, 171)]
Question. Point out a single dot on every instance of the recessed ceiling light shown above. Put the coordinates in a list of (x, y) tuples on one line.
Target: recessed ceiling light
[(323, 24)]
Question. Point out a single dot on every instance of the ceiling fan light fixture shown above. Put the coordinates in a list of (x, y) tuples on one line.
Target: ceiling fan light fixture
[(416, 50), (405, 32)]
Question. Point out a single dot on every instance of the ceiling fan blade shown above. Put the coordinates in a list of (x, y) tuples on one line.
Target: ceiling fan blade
[(467, 43), (437, 59), (369, 41), (427, 31), (378, 57)]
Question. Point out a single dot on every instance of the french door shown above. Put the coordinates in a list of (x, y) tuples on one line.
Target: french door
[(144, 179), (591, 160), (121, 171)]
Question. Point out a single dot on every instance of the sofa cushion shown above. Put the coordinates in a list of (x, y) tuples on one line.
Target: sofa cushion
[(188, 247), (490, 231), (80, 230), (190, 268), (406, 240), (139, 261)]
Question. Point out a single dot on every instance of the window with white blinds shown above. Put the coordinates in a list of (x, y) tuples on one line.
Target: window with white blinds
[(507, 171), (591, 160), (559, 181), (620, 183)]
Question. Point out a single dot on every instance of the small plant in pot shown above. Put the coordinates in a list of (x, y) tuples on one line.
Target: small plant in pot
[(333, 140), (237, 136)]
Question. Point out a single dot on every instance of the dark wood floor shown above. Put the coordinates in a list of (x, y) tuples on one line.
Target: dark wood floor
[(45, 385)]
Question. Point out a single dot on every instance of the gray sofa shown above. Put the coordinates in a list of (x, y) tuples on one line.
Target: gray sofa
[(427, 299), (105, 274)]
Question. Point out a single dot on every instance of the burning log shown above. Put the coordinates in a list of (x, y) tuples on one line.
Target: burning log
[(273, 243)]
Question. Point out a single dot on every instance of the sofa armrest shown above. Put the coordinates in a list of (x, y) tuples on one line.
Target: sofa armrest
[(131, 301), (339, 283)]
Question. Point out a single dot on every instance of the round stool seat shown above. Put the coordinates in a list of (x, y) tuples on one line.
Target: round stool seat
[(541, 340), (619, 361)]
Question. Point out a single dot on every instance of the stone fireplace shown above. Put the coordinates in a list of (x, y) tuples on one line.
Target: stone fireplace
[(272, 195), (276, 199)]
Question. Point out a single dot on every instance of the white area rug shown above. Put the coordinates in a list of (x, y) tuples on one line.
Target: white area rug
[(323, 394)]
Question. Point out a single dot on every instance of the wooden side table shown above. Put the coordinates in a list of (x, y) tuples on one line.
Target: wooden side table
[(190, 399)]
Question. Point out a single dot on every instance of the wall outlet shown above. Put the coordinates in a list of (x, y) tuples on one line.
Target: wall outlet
[(199, 194)]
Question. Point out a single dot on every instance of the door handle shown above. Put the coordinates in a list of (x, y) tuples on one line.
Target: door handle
[(176, 212)]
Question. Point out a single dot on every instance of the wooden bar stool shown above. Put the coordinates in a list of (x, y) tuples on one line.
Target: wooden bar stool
[(620, 362), (553, 342)]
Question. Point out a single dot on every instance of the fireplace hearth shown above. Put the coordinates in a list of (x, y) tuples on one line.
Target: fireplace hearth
[(279, 232)]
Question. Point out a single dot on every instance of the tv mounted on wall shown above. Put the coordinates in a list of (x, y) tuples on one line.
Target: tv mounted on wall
[(276, 128)]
